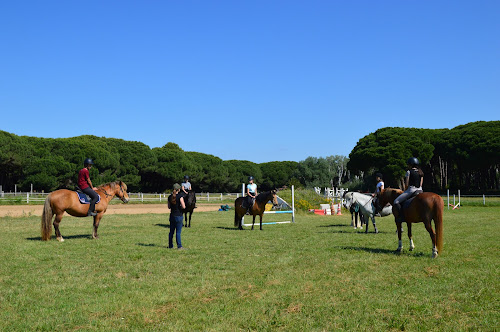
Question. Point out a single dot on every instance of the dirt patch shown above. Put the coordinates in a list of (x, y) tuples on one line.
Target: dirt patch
[(36, 210)]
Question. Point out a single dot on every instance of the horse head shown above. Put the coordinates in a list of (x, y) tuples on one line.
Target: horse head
[(348, 199), (274, 199), (121, 191)]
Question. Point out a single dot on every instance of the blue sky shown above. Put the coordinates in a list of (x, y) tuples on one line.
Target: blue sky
[(246, 80)]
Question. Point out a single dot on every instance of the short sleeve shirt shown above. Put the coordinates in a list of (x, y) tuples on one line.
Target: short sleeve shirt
[(252, 187), (379, 185), (83, 176)]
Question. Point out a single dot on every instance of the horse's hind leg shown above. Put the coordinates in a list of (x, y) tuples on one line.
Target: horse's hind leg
[(400, 242), (428, 227), (253, 222), (57, 220), (412, 246), (190, 214)]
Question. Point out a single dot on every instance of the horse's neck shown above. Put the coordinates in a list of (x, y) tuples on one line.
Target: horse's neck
[(361, 199), (106, 194), (364, 202), (263, 198)]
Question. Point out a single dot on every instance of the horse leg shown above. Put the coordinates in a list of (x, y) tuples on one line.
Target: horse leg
[(428, 227), (400, 243), (374, 226), (97, 219), (190, 214), (253, 222), (57, 220), (260, 221), (412, 246)]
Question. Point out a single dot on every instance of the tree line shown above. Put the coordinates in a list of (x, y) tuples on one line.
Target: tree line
[(49, 164), (465, 157)]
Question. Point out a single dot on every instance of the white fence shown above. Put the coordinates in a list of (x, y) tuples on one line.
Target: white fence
[(28, 197)]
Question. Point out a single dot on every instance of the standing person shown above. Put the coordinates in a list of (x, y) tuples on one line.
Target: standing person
[(251, 193), (413, 181), (85, 185), (176, 205)]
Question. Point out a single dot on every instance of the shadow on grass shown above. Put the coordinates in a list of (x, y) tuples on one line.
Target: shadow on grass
[(229, 228), (151, 245), (384, 251), (334, 225), (67, 237), (163, 225)]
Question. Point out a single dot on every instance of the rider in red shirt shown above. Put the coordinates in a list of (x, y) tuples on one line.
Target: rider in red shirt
[(86, 185)]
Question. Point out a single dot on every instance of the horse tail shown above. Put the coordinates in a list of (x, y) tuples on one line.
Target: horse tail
[(47, 215), (438, 222)]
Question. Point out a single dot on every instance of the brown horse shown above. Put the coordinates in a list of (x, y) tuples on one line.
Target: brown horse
[(258, 207), (64, 200), (424, 208)]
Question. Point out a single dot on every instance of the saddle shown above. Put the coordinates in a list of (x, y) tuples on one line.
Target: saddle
[(245, 204), (84, 198), (407, 203)]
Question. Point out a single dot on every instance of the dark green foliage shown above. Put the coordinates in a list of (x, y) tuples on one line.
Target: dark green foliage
[(466, 157)]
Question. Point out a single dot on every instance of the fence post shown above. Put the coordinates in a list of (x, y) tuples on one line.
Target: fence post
[(160, 197), (448, 193), (142, 197), (208, 197), (221, 197), (28, 198), (484, 200)]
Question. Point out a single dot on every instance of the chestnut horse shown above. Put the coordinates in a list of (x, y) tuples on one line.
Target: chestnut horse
[(258, 207), (425, 207), (63, 200)]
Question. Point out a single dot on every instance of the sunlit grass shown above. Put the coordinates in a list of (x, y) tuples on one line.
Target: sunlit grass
[(317, 274)]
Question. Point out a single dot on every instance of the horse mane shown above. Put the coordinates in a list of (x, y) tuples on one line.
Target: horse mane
[(264, 196), (113, 184)]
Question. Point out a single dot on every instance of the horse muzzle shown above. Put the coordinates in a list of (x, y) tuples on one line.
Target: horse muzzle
[(124, 200)]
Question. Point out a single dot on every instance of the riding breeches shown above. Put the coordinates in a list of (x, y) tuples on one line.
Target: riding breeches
[(93, 198)]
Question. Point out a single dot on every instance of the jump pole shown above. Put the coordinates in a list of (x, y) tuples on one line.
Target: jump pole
[(274, 212)]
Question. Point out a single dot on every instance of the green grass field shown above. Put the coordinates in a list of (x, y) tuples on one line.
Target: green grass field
[(316, 274)]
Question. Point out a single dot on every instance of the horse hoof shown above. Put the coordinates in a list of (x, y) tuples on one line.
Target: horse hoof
[(399, 250), (60, 239), (434, 254), (376, 231), (411, 248)]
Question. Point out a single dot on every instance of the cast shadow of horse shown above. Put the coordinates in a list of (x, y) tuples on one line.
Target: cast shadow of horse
[(382, 251), (81, 236), (227, 228), (163, 225)]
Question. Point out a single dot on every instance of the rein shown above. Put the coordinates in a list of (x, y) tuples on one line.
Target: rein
[(104, 191)]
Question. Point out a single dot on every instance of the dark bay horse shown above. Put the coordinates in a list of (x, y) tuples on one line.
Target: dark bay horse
[(425, 207), (63, 200), (258, 207), (190, 201)]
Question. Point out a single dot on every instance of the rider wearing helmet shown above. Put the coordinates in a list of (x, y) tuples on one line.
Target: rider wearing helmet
[(85, 185), (413, 182), (251, 192), (186, 185)]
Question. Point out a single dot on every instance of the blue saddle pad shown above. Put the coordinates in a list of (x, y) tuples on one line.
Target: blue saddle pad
[(407, 203), (85, 199)]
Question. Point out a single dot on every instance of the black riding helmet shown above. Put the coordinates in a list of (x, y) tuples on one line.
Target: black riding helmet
[(88, 161), (413, 161), (250, 178), (379, 175), (186, 177)]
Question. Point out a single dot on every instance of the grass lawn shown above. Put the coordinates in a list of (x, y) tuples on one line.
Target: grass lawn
[(316, 274)]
